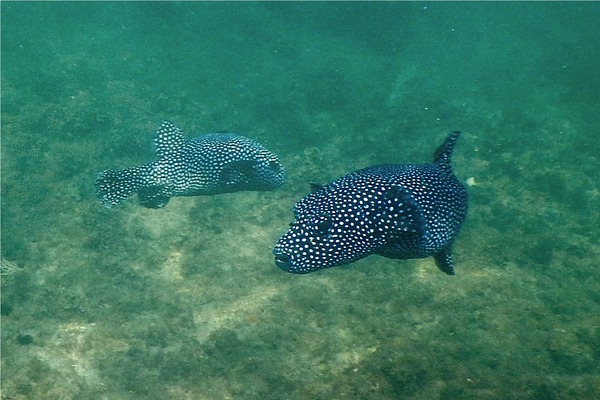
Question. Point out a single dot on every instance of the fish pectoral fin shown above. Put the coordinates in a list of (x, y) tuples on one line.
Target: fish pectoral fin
[(398, 207), (153, 196), (443, 259), (237, 171)]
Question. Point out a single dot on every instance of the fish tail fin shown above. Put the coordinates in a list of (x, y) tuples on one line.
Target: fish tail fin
[(444, 152), (113, 186)]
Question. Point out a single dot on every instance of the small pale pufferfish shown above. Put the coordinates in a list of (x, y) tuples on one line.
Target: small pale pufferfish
[(205, 165)]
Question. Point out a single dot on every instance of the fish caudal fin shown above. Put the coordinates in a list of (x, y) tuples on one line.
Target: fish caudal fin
[(114, 186)]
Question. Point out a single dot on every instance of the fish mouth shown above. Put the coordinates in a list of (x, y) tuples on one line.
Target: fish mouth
[(282, 260)]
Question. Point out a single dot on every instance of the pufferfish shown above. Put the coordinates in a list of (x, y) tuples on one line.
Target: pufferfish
[(205, 165), (398, 211)]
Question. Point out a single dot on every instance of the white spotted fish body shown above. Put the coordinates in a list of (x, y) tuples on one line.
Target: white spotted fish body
[(398, 211), (205, 165)]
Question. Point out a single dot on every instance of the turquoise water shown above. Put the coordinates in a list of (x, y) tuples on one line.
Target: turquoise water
[(186, 302)]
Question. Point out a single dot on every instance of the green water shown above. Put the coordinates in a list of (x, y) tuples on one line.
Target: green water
[(186, 302)]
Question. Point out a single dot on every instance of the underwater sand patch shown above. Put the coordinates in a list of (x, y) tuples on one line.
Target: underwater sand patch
[(227, 315), (69, 355)]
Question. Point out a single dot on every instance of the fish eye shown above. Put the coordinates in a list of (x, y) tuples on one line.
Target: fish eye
[(273, 163)]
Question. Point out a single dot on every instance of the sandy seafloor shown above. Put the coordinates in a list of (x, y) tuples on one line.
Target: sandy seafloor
[(186, 302)]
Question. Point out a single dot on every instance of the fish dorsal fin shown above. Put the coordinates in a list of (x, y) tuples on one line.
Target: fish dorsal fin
[(444, 152), (168, 140)]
